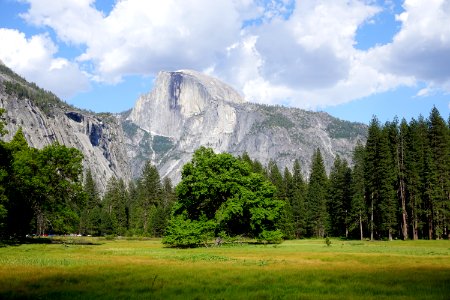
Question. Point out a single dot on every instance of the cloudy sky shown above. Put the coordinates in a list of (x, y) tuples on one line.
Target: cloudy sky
[(351, 58)]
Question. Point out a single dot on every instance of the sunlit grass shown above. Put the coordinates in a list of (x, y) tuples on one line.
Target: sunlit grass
[(303, 269)]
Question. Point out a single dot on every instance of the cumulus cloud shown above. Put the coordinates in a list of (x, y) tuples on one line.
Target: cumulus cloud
[(300, 53), (422, 47), (34, 59)]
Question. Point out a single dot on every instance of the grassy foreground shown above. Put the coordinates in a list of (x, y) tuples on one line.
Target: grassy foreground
[(305, 269)]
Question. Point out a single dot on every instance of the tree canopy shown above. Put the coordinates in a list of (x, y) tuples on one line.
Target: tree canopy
[(220, 196)]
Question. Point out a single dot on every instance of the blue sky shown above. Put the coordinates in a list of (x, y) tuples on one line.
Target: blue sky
[(351, 58)]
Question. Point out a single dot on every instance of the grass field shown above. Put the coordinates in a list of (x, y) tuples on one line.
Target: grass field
[(302, 269)]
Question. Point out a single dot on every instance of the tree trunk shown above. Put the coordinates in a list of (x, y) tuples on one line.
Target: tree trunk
[(360, 226), (402, 192), (371, 218), (430, 228), (404, 214), (415, 223), (390, 234)]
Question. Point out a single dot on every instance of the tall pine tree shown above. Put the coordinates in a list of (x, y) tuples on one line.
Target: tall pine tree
[(318, 218)]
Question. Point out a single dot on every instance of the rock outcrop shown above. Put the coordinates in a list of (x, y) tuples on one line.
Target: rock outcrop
[(186, 110), (99, 137)]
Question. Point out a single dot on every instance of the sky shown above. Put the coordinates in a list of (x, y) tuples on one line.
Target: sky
[(351, 58)]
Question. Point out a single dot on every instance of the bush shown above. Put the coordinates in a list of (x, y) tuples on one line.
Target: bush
[(183, 232), (270, 237)]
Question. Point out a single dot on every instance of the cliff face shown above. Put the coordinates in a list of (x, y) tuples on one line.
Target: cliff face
[(187, 110), (99, 137), (184, 111)]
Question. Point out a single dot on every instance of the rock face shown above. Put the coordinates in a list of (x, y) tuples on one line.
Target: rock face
[(187, 110), (99, 137), (184, 111)]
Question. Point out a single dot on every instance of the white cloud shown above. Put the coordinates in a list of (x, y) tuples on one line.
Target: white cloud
[(34, 59), (143, 37), (301, 54), (422, 47)]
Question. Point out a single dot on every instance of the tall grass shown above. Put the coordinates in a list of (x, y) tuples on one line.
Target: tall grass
[(305, 269)]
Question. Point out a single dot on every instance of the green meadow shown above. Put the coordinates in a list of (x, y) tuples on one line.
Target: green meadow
[(95, 268)]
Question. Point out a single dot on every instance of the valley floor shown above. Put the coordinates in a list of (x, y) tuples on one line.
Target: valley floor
[(95, 268)]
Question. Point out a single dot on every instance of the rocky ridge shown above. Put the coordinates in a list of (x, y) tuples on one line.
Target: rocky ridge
[(98, 136), (185, 110)]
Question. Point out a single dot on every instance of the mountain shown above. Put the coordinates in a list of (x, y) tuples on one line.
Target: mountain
[(45, 119), (185, 110)]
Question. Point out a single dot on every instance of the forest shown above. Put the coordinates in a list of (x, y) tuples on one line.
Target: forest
[(397, 186)]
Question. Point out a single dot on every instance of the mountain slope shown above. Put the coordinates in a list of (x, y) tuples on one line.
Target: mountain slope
[(186, 110), (45, 119)]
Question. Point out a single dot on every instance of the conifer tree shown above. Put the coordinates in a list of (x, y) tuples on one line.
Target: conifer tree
[(339, 197), (358, 189), (149, 196), (386, 178), (401, 176), (438, 136), (115, 203), (416, 140), (318, 219), (298, 200), (91, 215), (370, 171)]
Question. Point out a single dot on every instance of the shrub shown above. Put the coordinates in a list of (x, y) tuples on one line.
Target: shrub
[(270, 237)]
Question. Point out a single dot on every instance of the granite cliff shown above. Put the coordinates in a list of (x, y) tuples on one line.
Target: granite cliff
[(185, 110), (45, 119)]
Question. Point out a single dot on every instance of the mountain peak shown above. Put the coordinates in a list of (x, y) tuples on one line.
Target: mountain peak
[(178, 96), (215, 88)]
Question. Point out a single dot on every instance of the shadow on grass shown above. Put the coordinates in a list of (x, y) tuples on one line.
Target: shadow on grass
[(46, 240)]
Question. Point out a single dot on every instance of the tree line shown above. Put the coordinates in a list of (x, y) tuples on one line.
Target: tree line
[(397, 186), (44, 191)]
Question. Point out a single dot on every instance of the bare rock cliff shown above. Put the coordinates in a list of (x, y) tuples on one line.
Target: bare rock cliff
[(187, 109), (99, 137)]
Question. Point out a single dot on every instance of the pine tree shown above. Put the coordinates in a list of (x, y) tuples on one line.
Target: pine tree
[(284, 223), (438, 136), (298, 200), (416, 140), (339, 197), (276, 178), (401, 176), (386, 178), (370, 170), (318, 219), (358, 203), (90, 217), (145, 209), (115, 207), (287, 218)]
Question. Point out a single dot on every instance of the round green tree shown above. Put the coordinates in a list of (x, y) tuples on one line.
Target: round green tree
[(219, 194)]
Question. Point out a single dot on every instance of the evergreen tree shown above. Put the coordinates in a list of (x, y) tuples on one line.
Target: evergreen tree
[(370, 171), (276, 178), (401, 176), (91, 216), (298, 200), (358, 189), (438, 136), (318, 219), (149, 196), (115, 207), (386, 179), (339, 197), (417, 144)]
